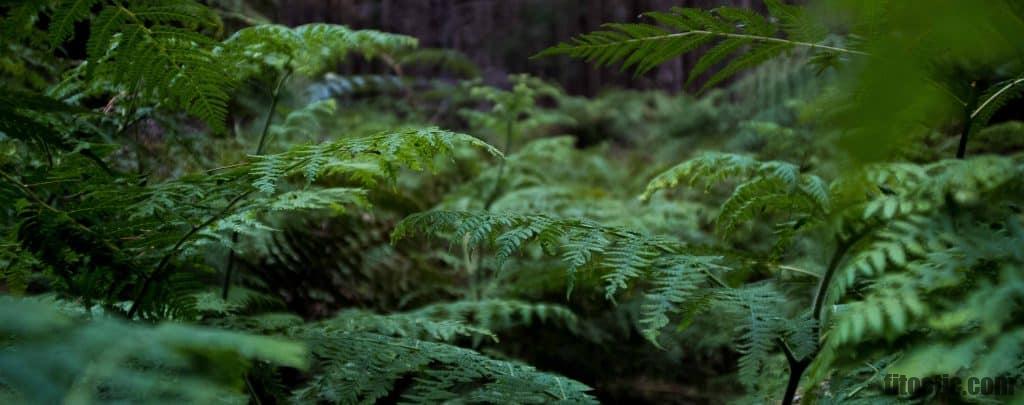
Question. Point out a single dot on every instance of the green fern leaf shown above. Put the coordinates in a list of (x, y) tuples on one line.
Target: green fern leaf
[(65, 15)]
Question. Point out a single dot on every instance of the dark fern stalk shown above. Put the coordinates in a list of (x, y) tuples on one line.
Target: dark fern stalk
[(796, 371), (275, 97), (260, 147), (969, 113), (798, 366), (501, 167)]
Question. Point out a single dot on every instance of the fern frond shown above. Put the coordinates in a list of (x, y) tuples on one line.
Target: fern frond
[(313, 48), (104, 360), (416, 325), (442, 373), (146, 46), (929, 260), (580, 243), (333, 85), (448, 59), (500, 314), (993, 99), (642, 46), (680, 284), (764, 186), (797, 22), (65, 15), (386, 151)]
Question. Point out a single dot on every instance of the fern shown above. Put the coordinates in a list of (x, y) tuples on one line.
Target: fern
[(107, 361), (443, 373), (643, 46), (580, 243), (333, 85), (66, 14), (409, 325), (413, 148), (275, 266), (156, 43), (501, 314), (440, 372), (993, 99), (35, 118), (775, 186), (917, 251), (451, 60), (310, 49), (679, 286)]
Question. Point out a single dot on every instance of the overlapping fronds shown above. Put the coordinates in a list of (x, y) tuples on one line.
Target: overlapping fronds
[(919, 245), (34, 117), (680, 277)]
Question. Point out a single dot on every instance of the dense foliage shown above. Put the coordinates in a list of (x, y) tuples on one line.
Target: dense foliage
[(196, 208)]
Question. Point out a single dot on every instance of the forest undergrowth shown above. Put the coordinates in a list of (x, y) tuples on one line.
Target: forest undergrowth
[(198, 205)]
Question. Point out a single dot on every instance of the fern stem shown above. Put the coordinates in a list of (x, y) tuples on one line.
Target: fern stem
[(275, 97), (260, 146), (715, 278), (796, 371), (842, 247), (501, 168), (758, 38), (798, 366), (798, 270)]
